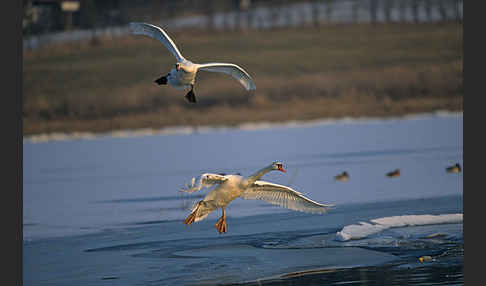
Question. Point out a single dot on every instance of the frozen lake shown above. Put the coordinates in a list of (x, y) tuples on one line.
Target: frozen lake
[(117, 198)]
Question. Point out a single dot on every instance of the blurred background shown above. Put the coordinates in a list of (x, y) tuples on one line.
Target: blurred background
[(83, 71)]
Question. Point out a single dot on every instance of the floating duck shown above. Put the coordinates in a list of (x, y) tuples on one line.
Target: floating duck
[(393, 174), (454, 169), (343, 177)]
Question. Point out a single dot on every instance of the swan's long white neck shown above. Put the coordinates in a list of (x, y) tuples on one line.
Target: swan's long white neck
[(251, 179)]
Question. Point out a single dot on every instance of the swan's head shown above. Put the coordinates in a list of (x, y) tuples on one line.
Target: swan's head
[(278, 166), (178, 66)]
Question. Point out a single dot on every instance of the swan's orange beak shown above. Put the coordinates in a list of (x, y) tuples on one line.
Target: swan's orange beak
[(281, 169)]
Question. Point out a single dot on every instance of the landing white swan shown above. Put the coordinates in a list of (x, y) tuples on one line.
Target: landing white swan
[(184, 73), (231, 187)]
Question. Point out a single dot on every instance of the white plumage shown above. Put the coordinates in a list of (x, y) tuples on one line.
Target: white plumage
[(283, 196), (184, 73), (231, 187)]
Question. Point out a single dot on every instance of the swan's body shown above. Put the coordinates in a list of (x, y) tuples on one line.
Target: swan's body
[(343, 177), (184, 73), (231, 187)]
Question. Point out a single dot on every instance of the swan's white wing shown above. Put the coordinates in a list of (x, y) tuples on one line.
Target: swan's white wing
[(204, 180), (235, 71), (158, 34), (204, 209), (283, 196)]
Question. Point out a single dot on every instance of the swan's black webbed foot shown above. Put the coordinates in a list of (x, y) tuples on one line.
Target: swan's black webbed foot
[(190, 96), (162, 80)]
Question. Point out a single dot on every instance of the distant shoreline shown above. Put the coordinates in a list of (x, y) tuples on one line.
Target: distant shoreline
[(333, 71), (248, 126)]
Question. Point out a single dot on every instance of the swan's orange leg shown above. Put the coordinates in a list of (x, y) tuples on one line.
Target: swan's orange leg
[(221, 224), (190, 219)]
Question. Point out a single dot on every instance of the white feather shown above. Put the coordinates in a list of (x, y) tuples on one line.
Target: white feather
[(235, 71), (283, 196), (157, 33), (186, 76), (231, 187), (204, 180)]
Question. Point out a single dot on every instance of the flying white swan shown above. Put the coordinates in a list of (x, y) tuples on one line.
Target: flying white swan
[(231, 187), (184, 73)]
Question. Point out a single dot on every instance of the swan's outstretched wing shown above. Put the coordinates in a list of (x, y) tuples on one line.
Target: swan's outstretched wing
[(283, 196), (204, 180), (158, 34), (235, 71)]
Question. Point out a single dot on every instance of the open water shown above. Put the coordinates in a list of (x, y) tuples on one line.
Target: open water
[(108, 211)]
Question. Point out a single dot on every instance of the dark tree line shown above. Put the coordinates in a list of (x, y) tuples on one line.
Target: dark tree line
[(47, 16)]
